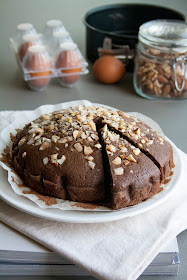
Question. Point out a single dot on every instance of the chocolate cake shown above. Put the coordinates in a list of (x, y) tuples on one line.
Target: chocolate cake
[(92, 154), (133, 176)]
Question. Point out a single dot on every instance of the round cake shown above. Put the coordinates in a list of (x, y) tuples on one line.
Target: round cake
[(92, 154)]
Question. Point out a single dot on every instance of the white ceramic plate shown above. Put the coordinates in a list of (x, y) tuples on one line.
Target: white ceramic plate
[(75, 216)]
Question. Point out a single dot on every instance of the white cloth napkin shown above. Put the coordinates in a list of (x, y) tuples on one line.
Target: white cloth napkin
[(119, 250)]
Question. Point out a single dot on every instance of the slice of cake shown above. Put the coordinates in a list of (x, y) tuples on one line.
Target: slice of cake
[(133, 176), (148, 141)]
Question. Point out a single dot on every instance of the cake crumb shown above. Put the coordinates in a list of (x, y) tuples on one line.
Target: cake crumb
[(85, 205), (6, 157), (46, 199)]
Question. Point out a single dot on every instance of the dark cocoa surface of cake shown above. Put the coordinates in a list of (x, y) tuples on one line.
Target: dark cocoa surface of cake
[(134, 177), (90, 154)]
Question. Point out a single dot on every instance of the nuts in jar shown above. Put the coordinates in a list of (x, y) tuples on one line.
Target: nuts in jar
[(161, 60)]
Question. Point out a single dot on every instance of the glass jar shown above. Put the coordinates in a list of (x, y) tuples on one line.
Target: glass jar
[(161, 60)]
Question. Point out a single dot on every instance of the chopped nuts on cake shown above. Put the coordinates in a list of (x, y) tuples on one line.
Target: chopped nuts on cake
[(136, 151), (54, 157), (22, 141), (78, 147), (140, 145), (45, 145), (61, 160), (24, 154), (161, 139), (131, 158), (119, 171), (117, 161), (150, 142), (46, 117), (55, 138), (90, 158), (91, 164), (98, 146), (143, 141), (45, 160), (74, 150), (87, 150), (137, 131), (123, 149), (31, 141), (111, 148), (50, 127), (75, 133)]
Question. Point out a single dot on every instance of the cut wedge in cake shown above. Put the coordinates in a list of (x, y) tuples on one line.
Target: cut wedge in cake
[(133, 176), (148, 141)]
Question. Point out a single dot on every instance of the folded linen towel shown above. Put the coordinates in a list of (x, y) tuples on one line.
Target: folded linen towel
[(119, 250)]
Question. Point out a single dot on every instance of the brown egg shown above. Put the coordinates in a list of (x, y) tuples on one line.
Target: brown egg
[(70, 61), (23, 49), (108, 69), (28, 40), (38, 62)]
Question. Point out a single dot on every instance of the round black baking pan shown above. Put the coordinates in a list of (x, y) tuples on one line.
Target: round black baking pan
[(121, 23)]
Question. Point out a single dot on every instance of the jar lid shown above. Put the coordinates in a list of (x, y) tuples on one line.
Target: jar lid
[(170, 33)]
